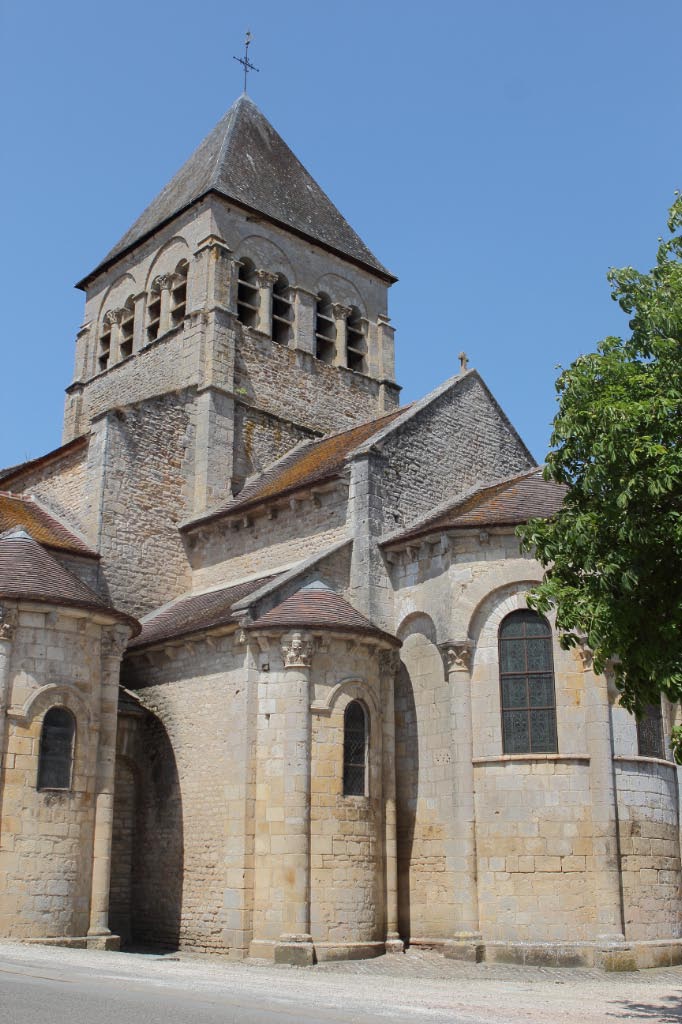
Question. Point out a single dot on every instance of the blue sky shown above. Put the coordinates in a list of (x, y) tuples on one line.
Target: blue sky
[(498, 157)]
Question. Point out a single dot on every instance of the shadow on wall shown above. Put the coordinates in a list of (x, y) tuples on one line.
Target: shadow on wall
[(407, 788), (147, 850)]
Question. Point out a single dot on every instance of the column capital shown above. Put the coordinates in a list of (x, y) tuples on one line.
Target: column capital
[(113, 316), (163, 282), (7, 625), (456, 655), (297, 650), (389, 662), (586, 656), (340, 311), (266, 278), (114, 642)]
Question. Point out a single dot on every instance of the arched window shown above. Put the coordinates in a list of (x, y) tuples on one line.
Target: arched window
[(127, 328), (179, 293), (650, 732), (154, 313), (355, 750), (527, 685), (281, 311), (325, 329), (56, 749), (248, 298), (104, 344), (356, 345)]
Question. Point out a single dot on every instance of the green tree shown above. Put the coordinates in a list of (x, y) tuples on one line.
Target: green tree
[(613, 555)]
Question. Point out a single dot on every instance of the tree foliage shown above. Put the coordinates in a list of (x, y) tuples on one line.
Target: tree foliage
[(613, 555)]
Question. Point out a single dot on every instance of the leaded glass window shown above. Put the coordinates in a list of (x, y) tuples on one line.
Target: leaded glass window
[(650, 732), (354, 750), (56, 749), (527, 684)]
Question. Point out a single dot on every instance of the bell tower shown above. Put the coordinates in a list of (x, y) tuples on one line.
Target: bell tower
[(242, 289)]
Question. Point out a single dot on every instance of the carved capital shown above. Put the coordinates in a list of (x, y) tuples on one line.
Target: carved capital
[(389, 662), (297, 650), (456, 655), (265, 278), (114, 643), (585, 655), (7, 624), (113, 316), (163, 281), (340, 311)]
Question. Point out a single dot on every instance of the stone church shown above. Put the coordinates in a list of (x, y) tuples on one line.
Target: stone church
[(269, 685)]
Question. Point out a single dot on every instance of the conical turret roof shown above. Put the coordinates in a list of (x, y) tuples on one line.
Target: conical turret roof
[(248, 162)]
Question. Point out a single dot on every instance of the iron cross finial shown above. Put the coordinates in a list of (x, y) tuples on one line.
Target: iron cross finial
[(463, 362), (244, 61)]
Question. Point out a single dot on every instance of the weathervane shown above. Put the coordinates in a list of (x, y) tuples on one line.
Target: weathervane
[(244, 61)]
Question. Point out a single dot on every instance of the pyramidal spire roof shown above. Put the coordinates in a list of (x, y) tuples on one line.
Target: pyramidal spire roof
[(248, 162)]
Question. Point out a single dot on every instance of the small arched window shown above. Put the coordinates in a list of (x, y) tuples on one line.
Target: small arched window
[(650, 732), (527, 684), (356, 345), (248, 297), (325, 329), (281, 311), (56, 749), (355, 750), (127, 328), (179, 293)]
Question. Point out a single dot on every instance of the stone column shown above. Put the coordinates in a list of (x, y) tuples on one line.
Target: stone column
[(386, 347), (139, 337), (606, 842), (113, 318), (6, 635), (114, 641), (265, 282), (305, 304), (164, 283), (292, 871), (341, 314), (389, 662), (466, 941)]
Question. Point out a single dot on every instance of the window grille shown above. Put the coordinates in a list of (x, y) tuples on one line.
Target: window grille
[(527, 685), (281, 311), (153, 315), (104, 346), (56, 749), (356, 346), (248, 297), (650, 732), (325, 330), (355, 750), (127, 328), (179, 294)]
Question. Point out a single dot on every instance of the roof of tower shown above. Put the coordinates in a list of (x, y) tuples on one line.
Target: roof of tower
[(248, 162), (29, 573)]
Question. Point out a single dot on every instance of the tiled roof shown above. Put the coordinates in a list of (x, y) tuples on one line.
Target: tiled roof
[(43, 460), (308, 463), (194, 613), (245, 160), (29, 573), (505, 503), (317, 607), (18, 510)]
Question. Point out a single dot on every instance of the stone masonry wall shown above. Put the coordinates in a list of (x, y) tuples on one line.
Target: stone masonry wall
[(231, 552), (650, 848), (460, 440), (198, 697), (261, 439), (122, 851), (148, 463), (46, 836), (60, 485)]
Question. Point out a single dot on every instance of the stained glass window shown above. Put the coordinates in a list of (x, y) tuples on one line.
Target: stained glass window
[(527, 685), (650, 732), (354, 750), (56, 749)]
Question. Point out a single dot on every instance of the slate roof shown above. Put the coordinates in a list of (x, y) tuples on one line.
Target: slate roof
[(193, 614), (247, 161), (317, 607), (505, 503), (29, 573), (308, 463), (22, 511)]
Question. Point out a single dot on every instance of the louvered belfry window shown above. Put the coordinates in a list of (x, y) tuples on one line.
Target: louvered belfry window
[(527, 685), (56, 749), (354, 750), (650, 732)]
